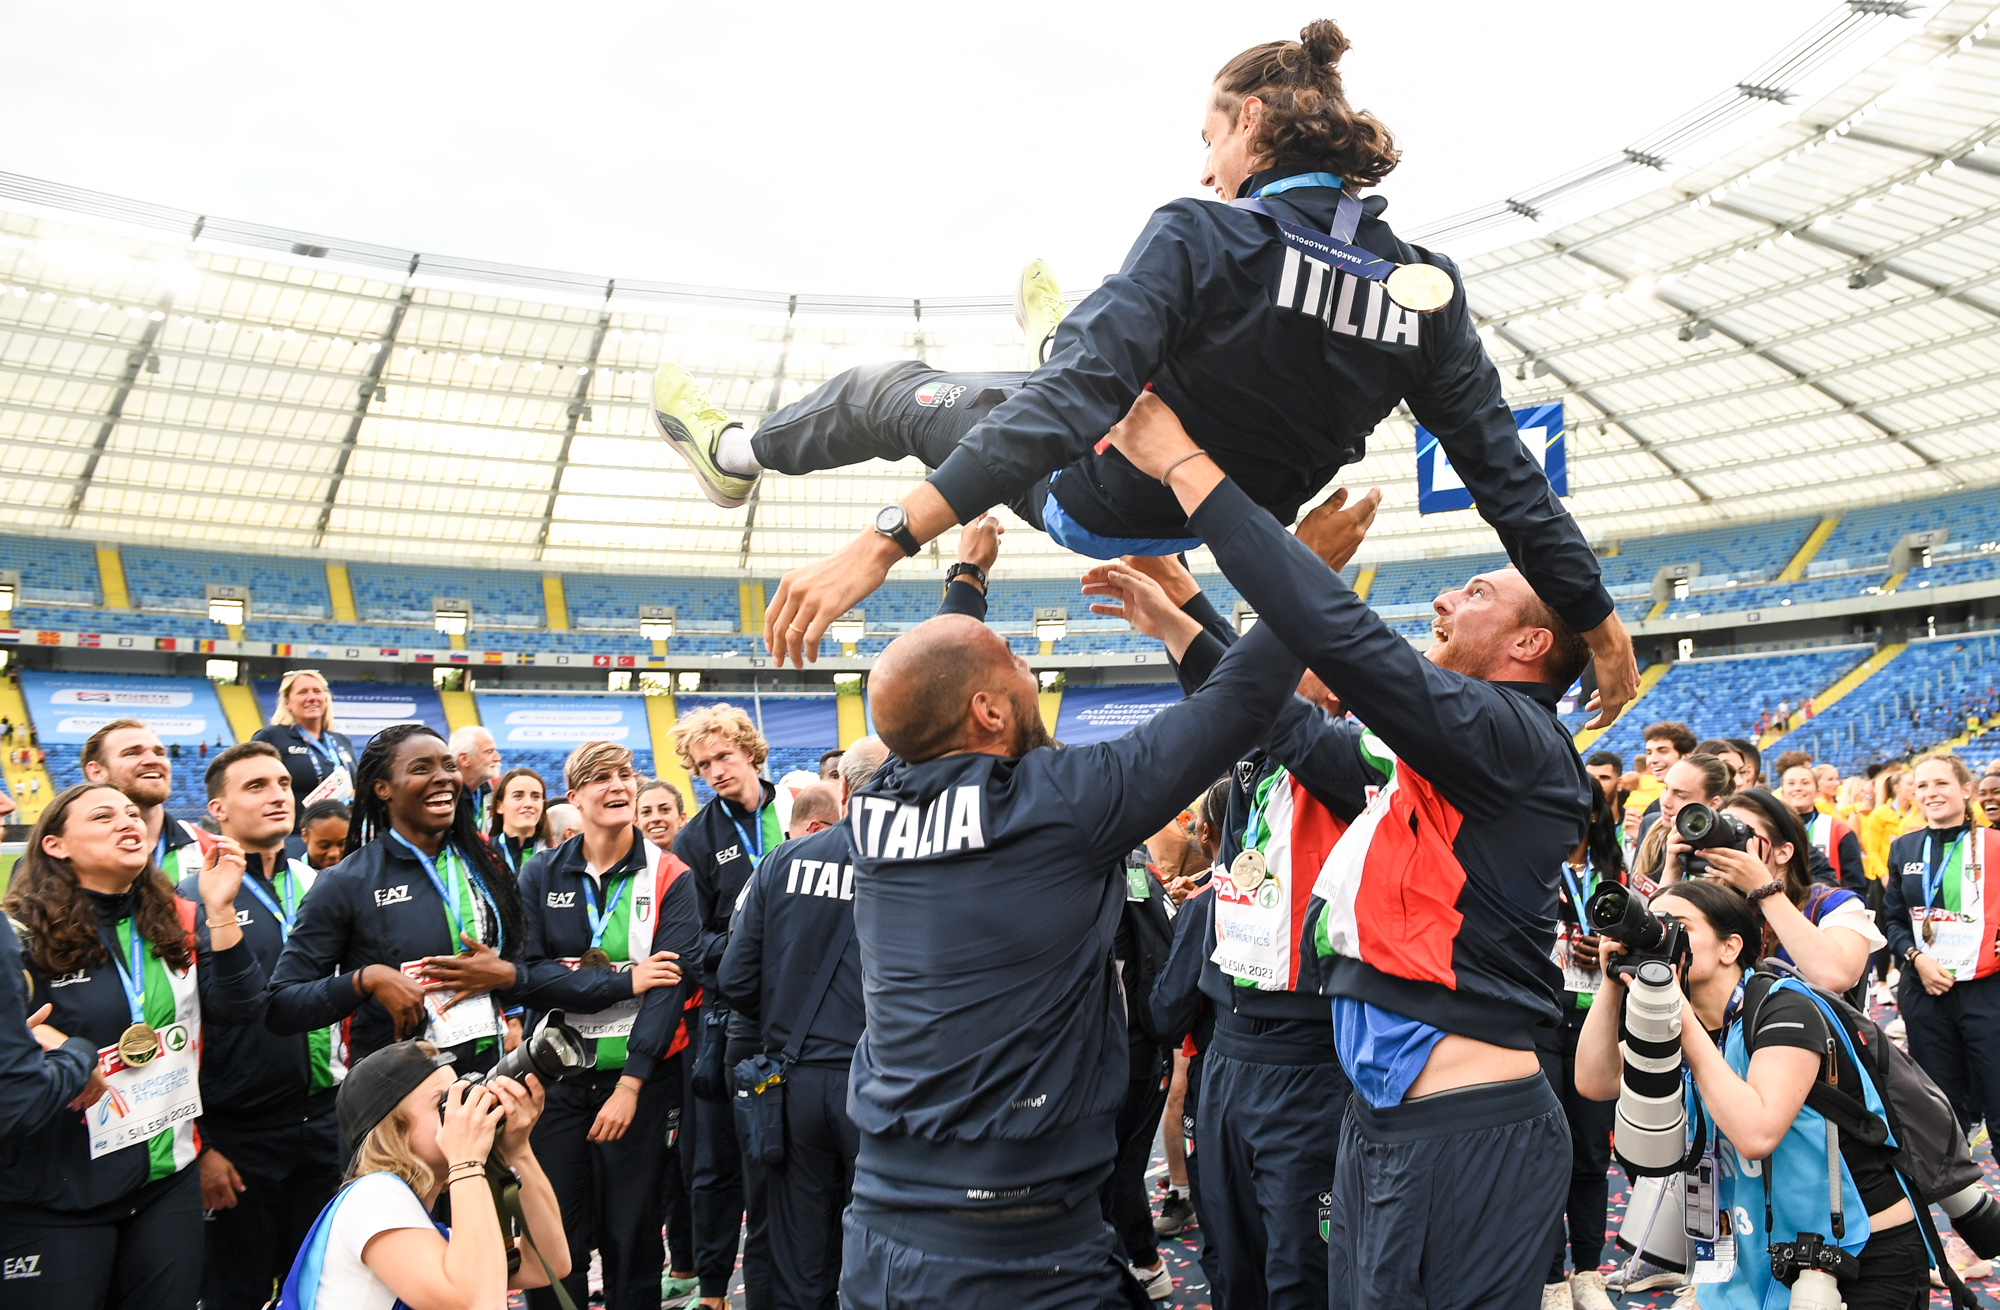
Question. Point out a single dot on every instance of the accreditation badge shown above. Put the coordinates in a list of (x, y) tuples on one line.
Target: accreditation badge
[(145, 1099), (468, 1021)]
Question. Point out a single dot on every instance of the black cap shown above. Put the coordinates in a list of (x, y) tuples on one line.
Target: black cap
[(374, 1087)]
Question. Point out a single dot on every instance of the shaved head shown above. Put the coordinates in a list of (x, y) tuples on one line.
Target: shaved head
[(951, 684)]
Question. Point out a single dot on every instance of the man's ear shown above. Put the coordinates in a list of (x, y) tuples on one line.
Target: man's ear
[(1530, 644), (95, 772)]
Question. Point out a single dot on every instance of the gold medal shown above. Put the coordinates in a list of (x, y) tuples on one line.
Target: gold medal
[(1930, 932), (594, 958), (1247, 870), (138, 1045), (1423, 288)]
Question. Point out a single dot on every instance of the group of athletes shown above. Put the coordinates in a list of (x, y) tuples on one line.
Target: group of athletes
[(907, 1034)]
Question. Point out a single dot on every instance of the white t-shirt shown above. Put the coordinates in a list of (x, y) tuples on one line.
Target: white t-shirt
[(375, 1203), (1855, 916)]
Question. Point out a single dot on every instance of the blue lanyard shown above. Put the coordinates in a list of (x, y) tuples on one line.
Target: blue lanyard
[(1935, 870), (134, 979), (513, 861), (598, 921), (285, 917), (450, 899), (1333, 180), (160, 851), (757, 822), (1335, 248), (326, 750), (1577, 893)]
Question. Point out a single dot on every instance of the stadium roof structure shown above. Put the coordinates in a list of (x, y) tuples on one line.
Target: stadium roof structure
[(1809, 323)]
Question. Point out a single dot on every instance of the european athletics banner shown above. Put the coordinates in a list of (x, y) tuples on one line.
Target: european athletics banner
[(68, 707), (562, 723), (1094, 714), (362, 709), (1541, 429)]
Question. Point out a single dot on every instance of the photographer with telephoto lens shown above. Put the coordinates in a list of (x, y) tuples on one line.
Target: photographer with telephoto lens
[(1775, 1193)]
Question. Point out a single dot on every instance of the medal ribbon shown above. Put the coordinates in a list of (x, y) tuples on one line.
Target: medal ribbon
[(598, 922), (1935, 871), (1335, 248), (1578, 891), (757, 822), (287, 916), (133, 979), (326, 750), (512, 860), (453, 863), (1258, 800)]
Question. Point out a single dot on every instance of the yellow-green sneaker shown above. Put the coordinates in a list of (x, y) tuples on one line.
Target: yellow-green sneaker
[(1038, 307), (692, 424)]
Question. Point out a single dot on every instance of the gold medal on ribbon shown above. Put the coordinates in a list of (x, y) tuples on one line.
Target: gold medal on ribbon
[(594, 958), (138, 1045), (1247, 870), (1421, 288), (1930, 932)]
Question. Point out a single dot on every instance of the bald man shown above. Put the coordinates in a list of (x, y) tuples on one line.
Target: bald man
[(989, 882), (1433, 920), (814, 809), (478, 769)]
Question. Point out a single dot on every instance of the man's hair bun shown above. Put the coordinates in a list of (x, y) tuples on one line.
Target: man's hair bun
[(1324, 43)]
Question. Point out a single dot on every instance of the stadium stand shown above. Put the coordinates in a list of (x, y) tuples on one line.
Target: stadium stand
[(499, 598), (64, 572), (602, 600), (176, 580), (1923, 696), (1726, 694)]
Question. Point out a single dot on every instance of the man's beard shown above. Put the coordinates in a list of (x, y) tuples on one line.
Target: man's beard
[(1030, 733), (148, 792), (1473, 659)]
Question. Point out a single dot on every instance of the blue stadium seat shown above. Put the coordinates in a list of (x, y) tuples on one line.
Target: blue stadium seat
[(1922, 697), (500, 598), (61, 571), (599, 600), (176, 579), (1724, 697)]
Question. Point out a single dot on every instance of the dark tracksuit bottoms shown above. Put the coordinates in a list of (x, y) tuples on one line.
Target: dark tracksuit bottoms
[(1589, 1201), (291, 1166), (808, 1189), (1124, 1201), (131, 1252), (674, 1201)]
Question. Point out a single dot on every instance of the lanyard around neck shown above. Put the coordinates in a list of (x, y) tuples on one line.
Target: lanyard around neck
[(452, 904), (1935, 870), (321, 747), (287, 916), (756, 850), (598, 922), (134, 978)]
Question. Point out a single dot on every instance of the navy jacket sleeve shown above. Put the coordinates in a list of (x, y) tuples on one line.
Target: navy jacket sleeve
[(306, 992), (1121, 791), (232, 982), (1852, 875), (1895, 922), (1103, 353), (1455, 731), (546, 983), (1324, 754), (35, 1084), (678, 929), (741, 976), (961, 597), (1208, 647), (1176, 999), (1462, 405)]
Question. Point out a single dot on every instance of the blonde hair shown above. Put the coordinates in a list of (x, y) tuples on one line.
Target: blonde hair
[(594, 760), (281, 717), (1964, 775), (724, 721), (386, 1150)]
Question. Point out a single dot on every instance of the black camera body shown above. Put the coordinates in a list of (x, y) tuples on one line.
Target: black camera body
[(1810, 1251), (552, 1053), (1707, 829), (1616, 913)]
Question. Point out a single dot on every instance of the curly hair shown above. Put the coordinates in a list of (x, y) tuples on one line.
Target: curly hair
[(371, 823), (62, 924), (1307, 122), (725, 721)]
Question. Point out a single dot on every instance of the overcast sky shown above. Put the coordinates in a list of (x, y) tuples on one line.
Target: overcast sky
[(918, 149)]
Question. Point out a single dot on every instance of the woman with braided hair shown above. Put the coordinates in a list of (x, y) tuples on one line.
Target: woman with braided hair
[(416, 932)]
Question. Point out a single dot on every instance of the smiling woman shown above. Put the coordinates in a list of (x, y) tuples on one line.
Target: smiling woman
[(420, 920)]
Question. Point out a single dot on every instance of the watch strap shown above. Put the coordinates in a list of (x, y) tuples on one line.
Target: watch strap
[(964, 570), (902, 536)]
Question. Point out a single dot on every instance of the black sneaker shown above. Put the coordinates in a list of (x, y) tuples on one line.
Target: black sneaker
[(1175, 1217)]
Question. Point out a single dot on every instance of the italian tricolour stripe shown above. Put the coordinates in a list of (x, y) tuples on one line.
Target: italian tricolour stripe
[(1391, 886), (1255, 927)]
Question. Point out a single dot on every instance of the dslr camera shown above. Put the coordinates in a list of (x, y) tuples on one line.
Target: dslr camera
[(1651, 1120), (1706, 829), (1813, 1268), (552, 1053)]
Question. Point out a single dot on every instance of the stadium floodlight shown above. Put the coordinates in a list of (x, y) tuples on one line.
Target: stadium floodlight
[(10, 588), (849, 627), (656, 622), (228, 605), (1051, 623), (451, 615), (1244, 617), (688, 681)]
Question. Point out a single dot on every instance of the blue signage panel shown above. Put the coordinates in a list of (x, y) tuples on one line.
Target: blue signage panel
[(1541, 428)]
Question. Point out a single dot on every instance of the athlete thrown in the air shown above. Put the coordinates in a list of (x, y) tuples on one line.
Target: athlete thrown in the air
[(1281, 326)]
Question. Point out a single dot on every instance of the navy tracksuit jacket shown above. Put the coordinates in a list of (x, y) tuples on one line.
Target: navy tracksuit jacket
[(35, 1084), (1280, 368), (797, 907), (374, 907), (260, 1112), (994, 1059)]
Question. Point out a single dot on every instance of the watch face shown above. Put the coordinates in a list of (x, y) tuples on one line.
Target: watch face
[(890, 519)]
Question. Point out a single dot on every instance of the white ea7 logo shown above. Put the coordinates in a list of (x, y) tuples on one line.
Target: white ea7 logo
[(392, 895), (21, 1266), (562, 900)]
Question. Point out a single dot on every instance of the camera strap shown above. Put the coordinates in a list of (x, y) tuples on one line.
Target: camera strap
[(815, 995), (507, 1204)]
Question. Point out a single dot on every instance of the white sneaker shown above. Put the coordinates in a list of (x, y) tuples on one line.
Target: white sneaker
[(1645, 1277), (1684, 1298), (1157, 1283), (1586, 1291), (1038, 307), (1555, 1296), (1894, 1029)]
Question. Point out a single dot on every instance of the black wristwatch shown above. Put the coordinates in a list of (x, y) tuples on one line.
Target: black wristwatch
[(965, 570), (1911, 952), (892, 522)]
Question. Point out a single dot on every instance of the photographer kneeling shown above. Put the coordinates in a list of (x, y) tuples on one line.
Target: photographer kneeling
[(418, 1133), (1750, 1082)]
